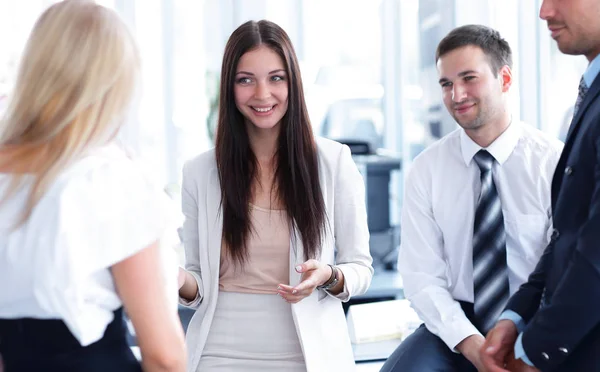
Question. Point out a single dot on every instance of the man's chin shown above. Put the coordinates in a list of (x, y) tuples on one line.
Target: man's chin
[(474, 124)]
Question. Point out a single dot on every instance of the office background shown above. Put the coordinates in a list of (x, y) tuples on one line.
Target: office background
[(368, 69)]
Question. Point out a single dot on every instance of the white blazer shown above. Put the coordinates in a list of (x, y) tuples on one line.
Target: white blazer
[(319, 318)]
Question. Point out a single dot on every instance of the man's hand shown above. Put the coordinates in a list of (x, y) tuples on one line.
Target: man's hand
[(517, 365), (499, 346), (470, 348)]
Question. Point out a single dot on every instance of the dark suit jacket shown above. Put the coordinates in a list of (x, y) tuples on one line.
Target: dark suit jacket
[(564, 333)]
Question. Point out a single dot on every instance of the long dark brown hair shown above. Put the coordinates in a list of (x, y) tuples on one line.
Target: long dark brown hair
[(297, 170)]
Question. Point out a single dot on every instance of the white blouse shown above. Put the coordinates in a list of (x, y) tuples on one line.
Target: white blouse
[(95, 214)]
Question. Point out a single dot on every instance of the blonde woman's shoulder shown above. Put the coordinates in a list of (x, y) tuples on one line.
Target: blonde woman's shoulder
[(108, 172)]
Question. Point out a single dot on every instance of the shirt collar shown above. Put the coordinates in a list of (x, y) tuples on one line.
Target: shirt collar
[(500, 149), (592, 71)]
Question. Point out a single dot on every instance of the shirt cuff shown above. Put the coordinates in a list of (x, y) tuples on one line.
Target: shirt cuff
[(520, 352), (515, 318), (454, 332)]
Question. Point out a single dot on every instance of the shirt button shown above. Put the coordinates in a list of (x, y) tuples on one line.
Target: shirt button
[(545, 356), (568, 171), (563, 350), (555, 234)]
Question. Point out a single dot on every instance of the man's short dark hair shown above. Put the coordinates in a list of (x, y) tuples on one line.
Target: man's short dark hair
[(487, 39)]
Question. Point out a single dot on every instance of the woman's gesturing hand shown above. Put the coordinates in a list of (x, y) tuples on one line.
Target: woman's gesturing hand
[(314, 273)]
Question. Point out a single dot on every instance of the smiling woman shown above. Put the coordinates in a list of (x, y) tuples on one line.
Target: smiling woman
[(262, 211), (261, 92)]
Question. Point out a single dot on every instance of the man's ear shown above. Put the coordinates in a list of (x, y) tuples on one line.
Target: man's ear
[(506, 78)]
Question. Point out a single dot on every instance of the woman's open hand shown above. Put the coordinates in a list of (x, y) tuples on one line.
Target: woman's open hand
[(314, 273)]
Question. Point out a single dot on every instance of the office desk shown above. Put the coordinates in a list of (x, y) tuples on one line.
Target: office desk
[(386, 285), (370, 352)]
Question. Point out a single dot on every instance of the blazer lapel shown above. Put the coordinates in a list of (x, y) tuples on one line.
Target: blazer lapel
[(296, 255), (589, 98), (214, 223)]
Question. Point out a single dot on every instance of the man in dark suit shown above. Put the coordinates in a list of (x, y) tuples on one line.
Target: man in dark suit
[(552, 323)]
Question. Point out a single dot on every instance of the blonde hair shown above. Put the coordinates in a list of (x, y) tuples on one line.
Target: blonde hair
[(76, 81)]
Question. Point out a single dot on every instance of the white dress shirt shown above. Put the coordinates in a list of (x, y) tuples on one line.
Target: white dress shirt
[(441, 192), (95, 214)]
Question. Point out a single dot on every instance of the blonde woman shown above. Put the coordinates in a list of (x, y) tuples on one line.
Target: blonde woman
[(79, 225)]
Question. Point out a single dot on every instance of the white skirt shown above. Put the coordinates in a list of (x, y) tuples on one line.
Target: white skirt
[(252, 332)]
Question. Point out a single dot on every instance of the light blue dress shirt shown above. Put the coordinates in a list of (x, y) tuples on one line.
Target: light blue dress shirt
[(588, 76), (592, 71)]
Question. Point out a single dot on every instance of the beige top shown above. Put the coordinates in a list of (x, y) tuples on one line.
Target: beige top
[(268, 262)]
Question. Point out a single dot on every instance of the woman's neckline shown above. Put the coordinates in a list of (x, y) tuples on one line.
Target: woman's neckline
[(254, 206)]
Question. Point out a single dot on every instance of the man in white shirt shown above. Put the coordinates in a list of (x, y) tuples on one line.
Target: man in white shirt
[(476, 215)]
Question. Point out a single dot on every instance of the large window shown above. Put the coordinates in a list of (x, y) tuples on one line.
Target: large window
[(367, 67), (338, 43), (344, 91), (561, 77), (16, 20)]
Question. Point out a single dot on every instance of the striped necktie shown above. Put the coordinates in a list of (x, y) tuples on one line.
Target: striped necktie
[(490, 271)]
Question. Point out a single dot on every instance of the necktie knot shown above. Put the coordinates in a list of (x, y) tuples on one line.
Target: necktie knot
[(484, 160)]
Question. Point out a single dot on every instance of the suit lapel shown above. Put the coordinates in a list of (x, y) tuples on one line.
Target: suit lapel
[(214, 223), (587, 100), (590, 97), (296, 255)]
